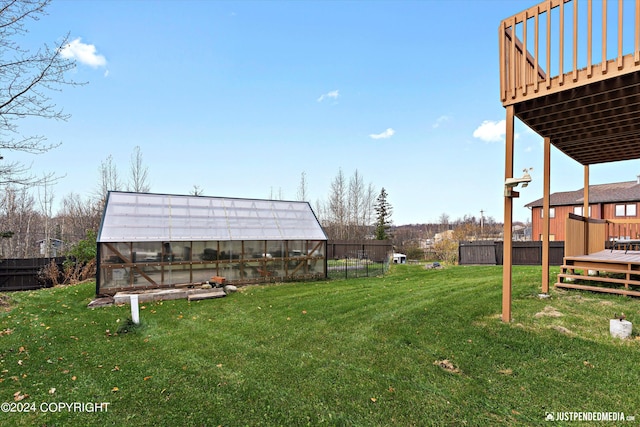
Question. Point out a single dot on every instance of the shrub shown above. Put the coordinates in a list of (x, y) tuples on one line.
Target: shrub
[(446, 250)]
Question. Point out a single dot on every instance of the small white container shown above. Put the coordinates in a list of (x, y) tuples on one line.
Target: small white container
[(620, 328)]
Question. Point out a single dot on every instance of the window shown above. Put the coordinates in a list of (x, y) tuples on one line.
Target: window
[(552, 238), (552, 213), (578, 210), (626, 210)]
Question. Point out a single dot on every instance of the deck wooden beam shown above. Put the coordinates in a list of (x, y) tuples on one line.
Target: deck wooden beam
[(585, 205), (508, 219), (546, 198)]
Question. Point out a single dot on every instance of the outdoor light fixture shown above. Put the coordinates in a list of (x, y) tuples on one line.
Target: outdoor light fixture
[(511, 183)]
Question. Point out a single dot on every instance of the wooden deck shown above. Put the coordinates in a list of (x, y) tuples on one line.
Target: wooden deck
[(607, 271), (572, 89), (570, 71)]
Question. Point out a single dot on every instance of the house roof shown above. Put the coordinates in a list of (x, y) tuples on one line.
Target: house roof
[(144, 217), (628, 191)]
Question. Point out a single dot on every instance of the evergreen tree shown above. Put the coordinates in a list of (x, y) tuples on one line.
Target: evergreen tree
[(383, 216)]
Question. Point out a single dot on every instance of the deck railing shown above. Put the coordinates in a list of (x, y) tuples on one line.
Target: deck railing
[(559, 44), (623, 229)]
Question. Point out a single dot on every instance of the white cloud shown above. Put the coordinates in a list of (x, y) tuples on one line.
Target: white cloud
[(383, 135), (83, 53), (491, 131), (440, 120), (333, 94)]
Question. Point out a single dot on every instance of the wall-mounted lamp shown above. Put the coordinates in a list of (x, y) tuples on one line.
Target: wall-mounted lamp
[(511, 183)]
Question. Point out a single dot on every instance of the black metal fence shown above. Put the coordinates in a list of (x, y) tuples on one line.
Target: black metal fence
[(524, 253), (350, 268), (25, 274)]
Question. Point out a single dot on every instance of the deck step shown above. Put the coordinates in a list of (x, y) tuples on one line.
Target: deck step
[(608, 270), (600, 279), (208, 294), (618, 291)]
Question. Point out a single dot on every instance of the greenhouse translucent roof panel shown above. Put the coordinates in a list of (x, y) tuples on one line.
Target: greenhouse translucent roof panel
[(143, 217)]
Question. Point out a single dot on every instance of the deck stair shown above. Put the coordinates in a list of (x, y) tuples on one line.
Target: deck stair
[(607, 271)]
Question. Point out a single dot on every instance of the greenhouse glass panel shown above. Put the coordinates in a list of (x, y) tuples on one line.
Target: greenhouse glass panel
[(146, 251), (136, 217)]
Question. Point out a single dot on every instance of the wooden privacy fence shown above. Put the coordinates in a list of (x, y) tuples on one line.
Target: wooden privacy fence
[(490, 252), (375, 250), (24, 274)]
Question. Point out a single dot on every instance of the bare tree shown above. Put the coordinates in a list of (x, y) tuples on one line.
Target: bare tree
[(26, 79), (337, 207), (354, 204), (138, 173), (196, 190), (302, 188), (18, 222), (320, 211), (45, 198), (444, 221), (109, 179), (349, 211), (76, 217), (369, 204), (275, 196)]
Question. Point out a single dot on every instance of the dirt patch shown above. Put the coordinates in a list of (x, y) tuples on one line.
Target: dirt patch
[(447, 366), (101, 302), (548, 312), (5, 302), (561, 329)]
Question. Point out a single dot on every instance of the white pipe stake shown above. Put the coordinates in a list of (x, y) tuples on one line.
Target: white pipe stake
[(135, 312)]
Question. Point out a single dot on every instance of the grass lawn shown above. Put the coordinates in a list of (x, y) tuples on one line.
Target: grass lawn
[(416, 347)]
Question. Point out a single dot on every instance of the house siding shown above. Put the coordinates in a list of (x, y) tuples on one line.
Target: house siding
[(557, 224)]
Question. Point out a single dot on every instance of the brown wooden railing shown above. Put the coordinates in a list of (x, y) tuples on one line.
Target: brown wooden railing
[(623, 229), (557, 41)]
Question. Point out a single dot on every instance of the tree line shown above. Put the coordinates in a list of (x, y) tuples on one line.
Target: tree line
[(30, 227)]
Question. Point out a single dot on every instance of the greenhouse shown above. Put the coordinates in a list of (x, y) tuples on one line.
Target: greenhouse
[(156, 241)]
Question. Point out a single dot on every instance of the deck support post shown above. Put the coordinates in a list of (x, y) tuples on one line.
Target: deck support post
[(585, 208), (508, 219), (546, 184)]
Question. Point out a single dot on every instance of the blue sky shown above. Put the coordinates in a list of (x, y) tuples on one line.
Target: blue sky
[(241, 97)]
